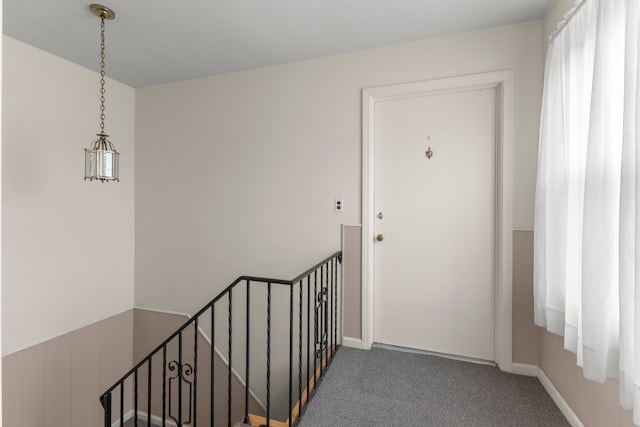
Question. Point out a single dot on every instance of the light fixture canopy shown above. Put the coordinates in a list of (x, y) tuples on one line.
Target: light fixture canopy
[(101, 160)]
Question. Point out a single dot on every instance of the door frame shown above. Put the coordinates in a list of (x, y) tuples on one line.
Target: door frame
[(502, 81)]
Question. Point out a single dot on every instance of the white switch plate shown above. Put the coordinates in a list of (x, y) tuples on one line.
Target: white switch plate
[(338, 205)]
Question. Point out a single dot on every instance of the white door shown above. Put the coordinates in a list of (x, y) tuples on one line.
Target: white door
[(434, 267)]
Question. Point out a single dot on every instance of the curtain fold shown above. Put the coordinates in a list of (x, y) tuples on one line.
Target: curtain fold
[(587, 207), (630, 221)]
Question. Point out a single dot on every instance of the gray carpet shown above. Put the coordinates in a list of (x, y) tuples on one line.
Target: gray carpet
[(390, 388), (141, 423)]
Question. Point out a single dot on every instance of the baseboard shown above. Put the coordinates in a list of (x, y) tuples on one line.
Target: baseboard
[(536, 371), (559, 400), (155, 419), (524, 369), (126, 417), (352, 342)]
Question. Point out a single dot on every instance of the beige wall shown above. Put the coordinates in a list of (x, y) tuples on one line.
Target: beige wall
[(58, 383), (250, 165), (251, 162), (595, 404), (67, 258), (255, 159)]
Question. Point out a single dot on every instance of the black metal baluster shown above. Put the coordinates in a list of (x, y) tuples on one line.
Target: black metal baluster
[(213, 353), (164, 385), (315, 329), (325, 290), (323, 317), (195, 372), (247, 356), (326, 315), (230, 360), (340, 291), (121, 403), (135, 398), (107, 409), (149, 394), (268, 354), (300, 350), (290, 349), (308, 332), (336, 306), (331, 310), (325, 341), (180, 378)]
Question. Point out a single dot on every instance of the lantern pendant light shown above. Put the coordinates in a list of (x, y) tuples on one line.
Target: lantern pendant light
[(101, 158)]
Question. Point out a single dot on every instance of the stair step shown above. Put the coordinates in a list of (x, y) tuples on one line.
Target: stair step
[(258, 421)]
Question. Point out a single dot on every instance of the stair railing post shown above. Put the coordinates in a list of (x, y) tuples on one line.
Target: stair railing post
[(230, 358), (122, 403), (331, 309), (315, 329), (308, 332), (300, 349), (290, 350), (247, 355), (212, 362), (268, 354), (149, 394), (326, 315), (135, 399), (164, 385), (322, 318), (195, 372), (179, 379), (106, 403), (335, 302)]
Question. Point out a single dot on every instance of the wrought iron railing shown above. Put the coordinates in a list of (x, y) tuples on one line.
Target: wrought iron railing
[(175, 384)]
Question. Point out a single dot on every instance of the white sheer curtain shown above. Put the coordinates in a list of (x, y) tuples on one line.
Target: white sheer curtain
[(587, 213)]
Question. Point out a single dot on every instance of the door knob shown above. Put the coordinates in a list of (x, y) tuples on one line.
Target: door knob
[(379, 237)]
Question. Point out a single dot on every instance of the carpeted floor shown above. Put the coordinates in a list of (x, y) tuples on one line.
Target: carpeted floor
[(141, 423), (398, 389)]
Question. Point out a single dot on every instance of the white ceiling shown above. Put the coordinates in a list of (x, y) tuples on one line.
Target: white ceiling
[(159, 41)]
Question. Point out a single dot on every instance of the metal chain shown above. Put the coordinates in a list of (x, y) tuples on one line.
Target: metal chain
[(102, 90)]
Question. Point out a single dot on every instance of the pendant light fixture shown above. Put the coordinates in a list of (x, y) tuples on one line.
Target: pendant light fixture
[(101, 158)]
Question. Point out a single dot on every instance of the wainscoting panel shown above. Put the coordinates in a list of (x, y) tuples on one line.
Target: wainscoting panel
[(352, 268), (526, 335), (58, 383)]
